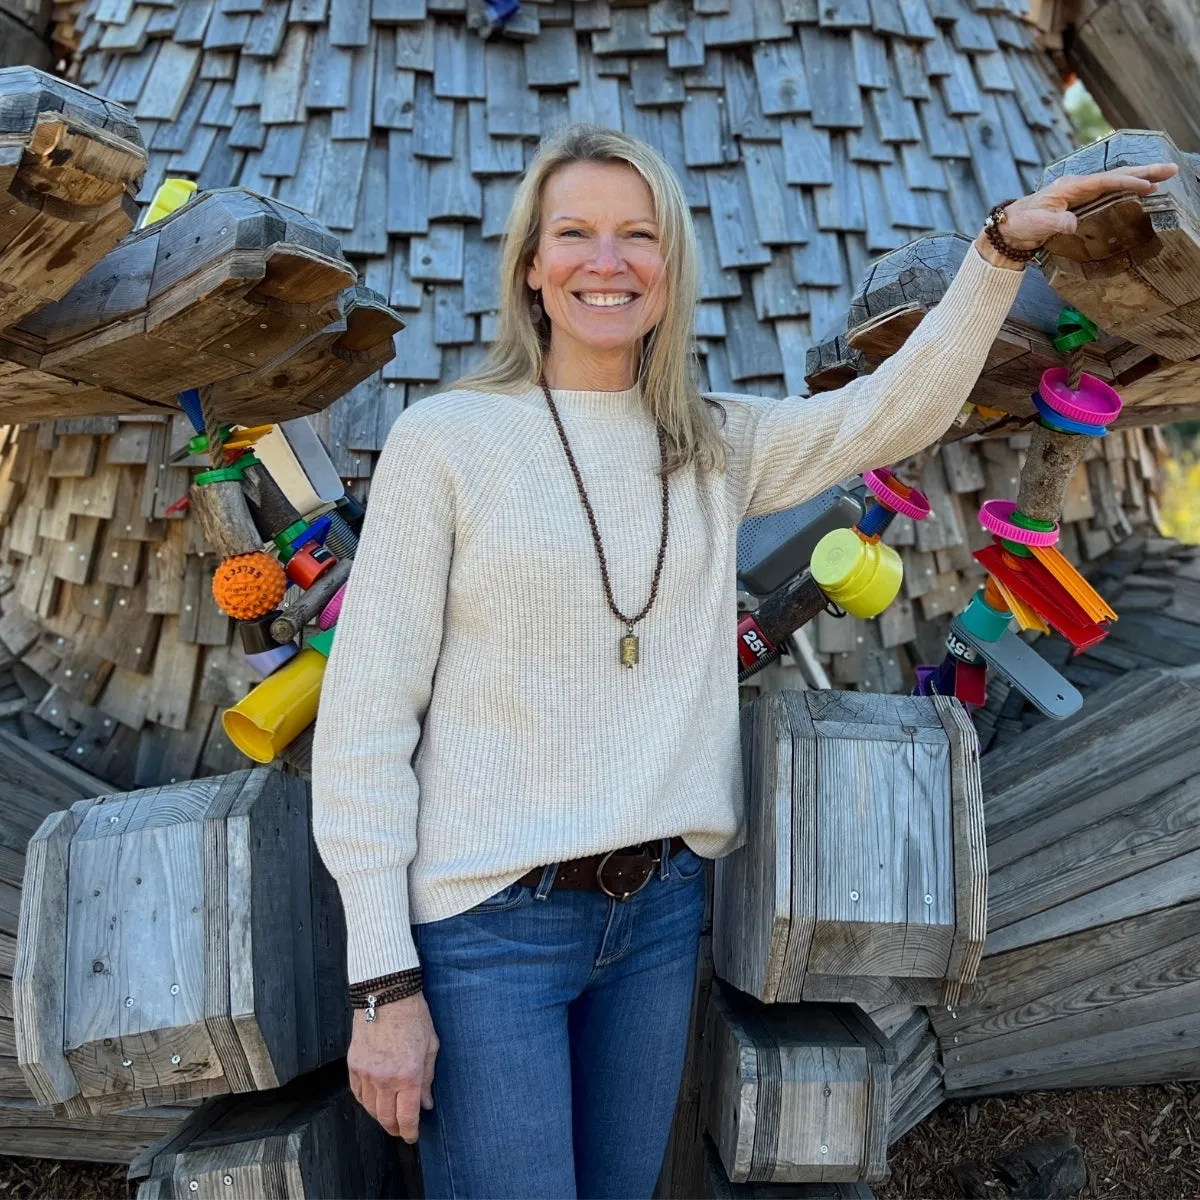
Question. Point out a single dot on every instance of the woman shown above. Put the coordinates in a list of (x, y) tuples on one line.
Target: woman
[(528, 737)]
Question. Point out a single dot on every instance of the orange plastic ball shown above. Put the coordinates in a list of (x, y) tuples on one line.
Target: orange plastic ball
[(247, 586)]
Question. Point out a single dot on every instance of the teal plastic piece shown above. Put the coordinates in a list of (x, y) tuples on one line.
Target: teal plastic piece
[(322, 642), (982, 620)]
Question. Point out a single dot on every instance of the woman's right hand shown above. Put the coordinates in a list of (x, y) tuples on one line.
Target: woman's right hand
[(391, 1064)]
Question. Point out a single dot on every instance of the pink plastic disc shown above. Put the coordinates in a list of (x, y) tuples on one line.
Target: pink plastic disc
[(331, 611), (995, 517), (1095, 403), (886, 489)]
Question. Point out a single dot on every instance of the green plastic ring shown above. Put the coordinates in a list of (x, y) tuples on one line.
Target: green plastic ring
[(1016, 547), (285, 540), (219, 475), (1072, 341), (1020, 519)]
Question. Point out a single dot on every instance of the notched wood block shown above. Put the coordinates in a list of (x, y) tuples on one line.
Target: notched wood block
[(795, 1093), (70, 166), (1133, 264), (904, 285), (233, 291), (862, 878), (136, 985)]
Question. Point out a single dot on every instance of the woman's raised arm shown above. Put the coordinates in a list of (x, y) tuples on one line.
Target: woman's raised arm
[(793, 448)]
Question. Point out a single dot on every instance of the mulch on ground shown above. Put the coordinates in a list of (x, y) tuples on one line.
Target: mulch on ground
[(54, 1179), (1137, 1142)]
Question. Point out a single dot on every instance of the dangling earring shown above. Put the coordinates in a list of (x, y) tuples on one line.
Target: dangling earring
[(535, 309)]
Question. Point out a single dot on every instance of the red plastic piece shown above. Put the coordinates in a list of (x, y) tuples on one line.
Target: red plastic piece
[(180, 506), (970, 683), (753, 644), (308, 564), (1029, 581)]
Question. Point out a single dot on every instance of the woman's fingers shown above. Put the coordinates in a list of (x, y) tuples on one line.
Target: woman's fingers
[(1080, 189), (380, 1102), (406, 1111), (427, 1082)]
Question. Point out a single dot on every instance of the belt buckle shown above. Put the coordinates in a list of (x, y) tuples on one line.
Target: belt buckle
[(622, 897)]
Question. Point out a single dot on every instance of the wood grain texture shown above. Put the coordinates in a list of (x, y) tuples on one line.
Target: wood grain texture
[(70, 166), (794, 1093)]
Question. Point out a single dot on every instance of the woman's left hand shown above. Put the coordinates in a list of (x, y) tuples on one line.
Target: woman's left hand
[(1034, 220)]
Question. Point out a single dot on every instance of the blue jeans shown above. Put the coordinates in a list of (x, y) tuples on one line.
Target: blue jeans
[(563, 1018)]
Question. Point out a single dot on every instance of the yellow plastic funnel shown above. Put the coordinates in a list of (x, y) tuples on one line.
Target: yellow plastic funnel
[(861, 577), (262, 723)]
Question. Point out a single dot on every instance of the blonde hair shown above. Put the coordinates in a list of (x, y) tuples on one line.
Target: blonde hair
[(667, 369)]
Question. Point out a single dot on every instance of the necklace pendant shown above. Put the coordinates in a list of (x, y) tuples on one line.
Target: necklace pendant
[(629, 649)]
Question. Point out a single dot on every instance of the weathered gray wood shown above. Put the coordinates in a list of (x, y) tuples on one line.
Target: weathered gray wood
[(1133, 264), (853, 902), (795, 1093), (182, 335), (184, 982), (753, 898), (309, 1139), (39, 975)]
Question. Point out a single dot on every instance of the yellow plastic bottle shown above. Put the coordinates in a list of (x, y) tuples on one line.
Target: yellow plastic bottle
[(281, 707), (171, 194), (861, 577)]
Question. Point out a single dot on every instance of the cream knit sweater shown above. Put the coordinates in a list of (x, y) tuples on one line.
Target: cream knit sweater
[(475, 721)]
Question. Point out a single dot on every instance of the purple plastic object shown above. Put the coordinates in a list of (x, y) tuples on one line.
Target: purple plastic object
[(883, 486), (331, 611), (995, 517), (1094, 403), (267, 662)]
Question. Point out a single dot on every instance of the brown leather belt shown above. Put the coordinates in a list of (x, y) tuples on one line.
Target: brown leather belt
[(619, 874)]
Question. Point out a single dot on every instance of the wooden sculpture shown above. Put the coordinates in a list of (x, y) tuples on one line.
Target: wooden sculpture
[(863, 876), (1090, 972), (70, 166), (1133, 263), (905, 284), (233, 293), (139, 985)]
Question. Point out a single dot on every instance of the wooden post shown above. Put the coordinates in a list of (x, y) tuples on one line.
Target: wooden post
[(225, 518), (795, 1093), (305, 1141)]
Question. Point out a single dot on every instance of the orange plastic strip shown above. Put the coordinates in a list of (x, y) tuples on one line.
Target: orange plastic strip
[(1026, 617), (1081, 591)]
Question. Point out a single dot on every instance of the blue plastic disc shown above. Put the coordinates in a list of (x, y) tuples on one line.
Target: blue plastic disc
[(1064, 424)]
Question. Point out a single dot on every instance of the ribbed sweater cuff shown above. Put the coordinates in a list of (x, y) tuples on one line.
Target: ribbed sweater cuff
[(379, 937), (986, 289)]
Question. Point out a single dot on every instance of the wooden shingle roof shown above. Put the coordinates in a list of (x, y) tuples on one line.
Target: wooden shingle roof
[(810, 135)]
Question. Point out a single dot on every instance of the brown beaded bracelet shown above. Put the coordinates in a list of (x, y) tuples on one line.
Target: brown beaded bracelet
[(991, 227), (371, 993), (382, 982)]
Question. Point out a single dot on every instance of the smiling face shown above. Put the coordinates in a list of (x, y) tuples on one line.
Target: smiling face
[(600, 269)]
